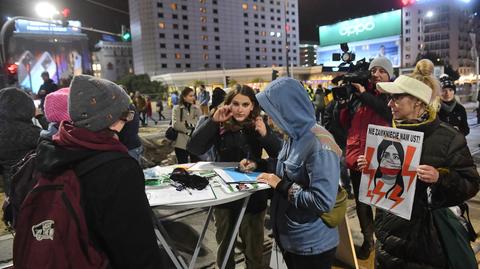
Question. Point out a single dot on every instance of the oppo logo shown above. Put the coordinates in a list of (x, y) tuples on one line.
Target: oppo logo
[(356, 27)]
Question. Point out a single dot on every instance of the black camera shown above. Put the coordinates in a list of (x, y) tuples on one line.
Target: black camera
[(356, 73)]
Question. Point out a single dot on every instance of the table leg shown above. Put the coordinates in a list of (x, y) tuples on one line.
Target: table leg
[(200, 239), (235, 231), (177, 260)]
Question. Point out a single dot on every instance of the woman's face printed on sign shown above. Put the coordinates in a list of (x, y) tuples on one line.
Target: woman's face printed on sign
[(390, 158)]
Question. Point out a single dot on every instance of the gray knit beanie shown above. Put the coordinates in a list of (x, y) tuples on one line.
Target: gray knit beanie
[(384, 63), (94, 103)]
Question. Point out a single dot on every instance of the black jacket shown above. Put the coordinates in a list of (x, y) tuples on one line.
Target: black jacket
[(233, 147), (333, 125), (48, 86), (457, 118), (416, 243), (18, 134), (129, 134), (116, 208)]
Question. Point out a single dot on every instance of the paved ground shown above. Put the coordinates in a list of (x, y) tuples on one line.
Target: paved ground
[(184, 226)]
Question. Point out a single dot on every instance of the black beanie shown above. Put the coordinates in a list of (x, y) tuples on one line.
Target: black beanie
[(447, 82)]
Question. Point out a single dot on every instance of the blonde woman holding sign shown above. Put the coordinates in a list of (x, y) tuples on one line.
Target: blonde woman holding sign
[(447, 177)]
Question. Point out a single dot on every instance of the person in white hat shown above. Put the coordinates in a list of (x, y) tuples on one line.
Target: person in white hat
[(446, 175)]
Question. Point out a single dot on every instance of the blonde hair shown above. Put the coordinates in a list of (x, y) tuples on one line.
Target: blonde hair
[(424, 72)]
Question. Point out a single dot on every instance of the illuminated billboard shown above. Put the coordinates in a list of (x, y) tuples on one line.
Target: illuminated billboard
[(62, 57), (38, 46), (368, 49), (35, 27), (364, 28)]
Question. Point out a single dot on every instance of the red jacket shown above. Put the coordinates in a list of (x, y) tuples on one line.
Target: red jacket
[(373, 110)]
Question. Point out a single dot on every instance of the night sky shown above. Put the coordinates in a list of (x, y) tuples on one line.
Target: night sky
[(312, 14)]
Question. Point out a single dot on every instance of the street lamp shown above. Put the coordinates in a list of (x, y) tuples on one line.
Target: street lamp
[(46, 10)]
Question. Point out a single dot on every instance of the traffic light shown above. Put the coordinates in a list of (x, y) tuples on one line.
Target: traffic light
[(126, 36), (408, 2), (227, 81), (65, 16), (274, 74), (12, 70)]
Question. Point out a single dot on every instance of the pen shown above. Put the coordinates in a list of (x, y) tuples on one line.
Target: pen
[(180, 188)]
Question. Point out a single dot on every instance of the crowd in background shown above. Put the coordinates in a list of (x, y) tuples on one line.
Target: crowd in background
[(314, 144)]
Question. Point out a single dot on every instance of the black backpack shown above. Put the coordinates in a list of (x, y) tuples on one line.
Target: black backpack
[(23, 180)]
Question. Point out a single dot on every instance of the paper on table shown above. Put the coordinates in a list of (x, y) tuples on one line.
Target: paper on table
[(230, 175), (211, 165), (169, 195)]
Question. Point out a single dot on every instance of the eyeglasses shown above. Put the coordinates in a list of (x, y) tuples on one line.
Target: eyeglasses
[(396, 97), (127, 115)]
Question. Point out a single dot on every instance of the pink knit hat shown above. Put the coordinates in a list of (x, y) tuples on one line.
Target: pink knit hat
[(56, 105)]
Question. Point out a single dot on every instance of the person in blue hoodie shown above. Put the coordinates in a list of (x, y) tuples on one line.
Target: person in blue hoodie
[(306, 179)]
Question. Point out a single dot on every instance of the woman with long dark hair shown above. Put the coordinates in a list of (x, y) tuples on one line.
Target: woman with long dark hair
[(390, 156), (237, 132), (185, 116)]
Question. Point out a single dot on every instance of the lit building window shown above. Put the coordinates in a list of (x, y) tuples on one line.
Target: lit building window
[(255, 7), (202, 1), (205, 56), (204, 37), (203, 10), (245, 6), (161, 25), (173, 6), (203, 19), (178, 56)]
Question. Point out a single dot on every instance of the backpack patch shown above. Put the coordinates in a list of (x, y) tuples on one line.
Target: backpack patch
[(44, 230)]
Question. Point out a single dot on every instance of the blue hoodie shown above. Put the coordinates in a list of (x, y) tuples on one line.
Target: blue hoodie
[(309, 169)]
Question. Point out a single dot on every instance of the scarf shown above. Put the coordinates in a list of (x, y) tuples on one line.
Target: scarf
[(78, 138), (448, 106), (234, 126)]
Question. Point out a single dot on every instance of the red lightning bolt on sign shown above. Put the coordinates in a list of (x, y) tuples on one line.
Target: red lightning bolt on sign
[(368, 171), (406, 164), (378, 190), (394, 196)]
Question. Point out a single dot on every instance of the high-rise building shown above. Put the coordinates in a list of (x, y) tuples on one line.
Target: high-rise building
[(308, 54), (112, 60), (443, 28), (171, 36)]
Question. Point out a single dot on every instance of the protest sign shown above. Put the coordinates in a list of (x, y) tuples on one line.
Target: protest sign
[(389, 179)]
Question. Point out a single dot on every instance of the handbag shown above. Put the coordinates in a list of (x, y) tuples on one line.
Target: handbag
[(172, 134), (333, 218), (455, 240)]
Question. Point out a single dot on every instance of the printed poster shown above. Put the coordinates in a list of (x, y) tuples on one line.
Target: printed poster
[(389, 180)]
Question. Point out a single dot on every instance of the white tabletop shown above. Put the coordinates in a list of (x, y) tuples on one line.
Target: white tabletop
[(221, 196)]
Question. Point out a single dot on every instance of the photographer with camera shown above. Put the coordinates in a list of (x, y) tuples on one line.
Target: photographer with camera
[(365, 106)]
